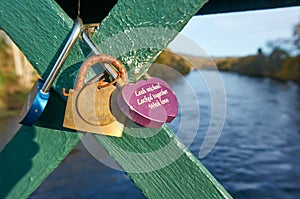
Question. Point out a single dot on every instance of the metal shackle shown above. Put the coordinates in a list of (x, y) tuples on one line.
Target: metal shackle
[(100, 58), (63, 55), (112, 72)]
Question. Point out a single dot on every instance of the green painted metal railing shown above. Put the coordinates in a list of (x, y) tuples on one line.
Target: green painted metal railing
[(40, 28)]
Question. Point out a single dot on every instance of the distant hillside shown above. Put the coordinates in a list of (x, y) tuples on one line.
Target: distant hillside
[(279, 67), (278, 64), (201, 62), (281, 62)]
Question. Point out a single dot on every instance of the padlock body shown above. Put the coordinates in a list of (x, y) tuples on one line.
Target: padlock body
[(149, 103), (89, 110)]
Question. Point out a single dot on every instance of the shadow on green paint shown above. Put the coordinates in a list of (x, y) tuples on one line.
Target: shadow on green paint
[(16, 159), (53, 115)]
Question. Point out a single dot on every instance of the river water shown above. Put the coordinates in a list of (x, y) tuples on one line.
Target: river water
[(256, 156)]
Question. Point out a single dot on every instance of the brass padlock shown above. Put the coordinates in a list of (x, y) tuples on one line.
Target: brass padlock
[(91, 108)]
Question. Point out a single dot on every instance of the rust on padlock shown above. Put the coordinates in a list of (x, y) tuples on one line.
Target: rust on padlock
[(88, 107), (121, 71)]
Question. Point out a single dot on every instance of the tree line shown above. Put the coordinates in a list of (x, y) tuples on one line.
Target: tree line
[(282, 62)]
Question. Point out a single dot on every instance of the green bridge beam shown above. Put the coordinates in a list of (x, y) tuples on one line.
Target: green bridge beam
[(160, 165)]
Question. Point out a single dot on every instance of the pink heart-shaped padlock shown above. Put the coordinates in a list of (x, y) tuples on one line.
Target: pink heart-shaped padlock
[(149, 103)]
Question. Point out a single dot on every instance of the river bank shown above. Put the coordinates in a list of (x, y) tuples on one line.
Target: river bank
[(279, 67)]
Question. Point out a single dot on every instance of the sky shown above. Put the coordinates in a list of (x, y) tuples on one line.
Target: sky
[(236, 34)]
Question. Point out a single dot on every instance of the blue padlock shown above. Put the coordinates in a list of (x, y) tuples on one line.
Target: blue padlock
[(40, 93)]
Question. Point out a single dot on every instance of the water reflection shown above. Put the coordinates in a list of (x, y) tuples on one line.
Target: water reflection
[(257, 153)]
